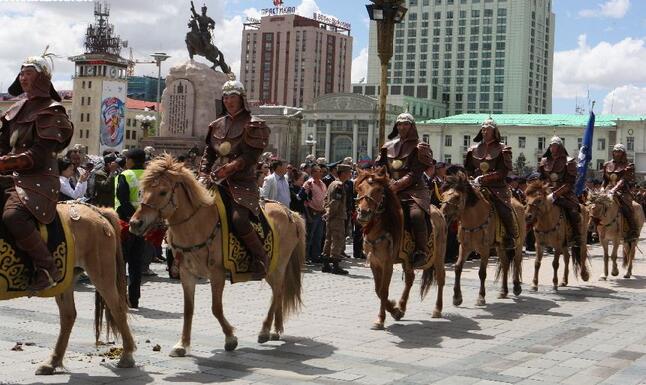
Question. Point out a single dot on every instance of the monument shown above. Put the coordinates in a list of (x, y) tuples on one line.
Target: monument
[(192, 98)]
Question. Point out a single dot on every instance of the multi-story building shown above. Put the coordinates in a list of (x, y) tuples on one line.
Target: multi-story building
[(487, 56), (290, 60), (144, 87)]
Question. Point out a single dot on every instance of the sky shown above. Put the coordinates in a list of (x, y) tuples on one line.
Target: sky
[(600, 45)]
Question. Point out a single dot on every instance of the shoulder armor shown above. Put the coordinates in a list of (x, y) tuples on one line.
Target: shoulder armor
[(505, 148), (53, 123), (256, 134)]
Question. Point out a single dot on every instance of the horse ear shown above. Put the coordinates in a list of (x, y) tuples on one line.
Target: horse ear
[(381, 171)]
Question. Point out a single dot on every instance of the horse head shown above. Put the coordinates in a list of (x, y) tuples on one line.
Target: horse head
[(371, 188), (599, 202), (165, 186), (459, 193), (537, 201)]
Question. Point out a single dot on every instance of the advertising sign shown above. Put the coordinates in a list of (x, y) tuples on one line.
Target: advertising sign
[(113, 116)]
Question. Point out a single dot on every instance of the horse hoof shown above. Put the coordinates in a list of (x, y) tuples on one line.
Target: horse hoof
[(534, 288), (436, 314), (627, 276), (178, 351), (615, 273), (230, 343), (602, 278), (563, 284), (397, 314), (457, 301), (585, 276), (517, 290), (555, 288), (481, 302), (126, 361), (377, 326), (263, 337), (275, 337), (502, 295), (45, 370)]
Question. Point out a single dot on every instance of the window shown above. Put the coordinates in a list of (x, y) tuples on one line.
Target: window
[(521, 142), (447, 158), (541, 143), (579, 143), (448, 141), (426, 138), (466, 140), (89, 100), (600, 163), (503, 139), (630, 143), (89, 84), (601, 144)]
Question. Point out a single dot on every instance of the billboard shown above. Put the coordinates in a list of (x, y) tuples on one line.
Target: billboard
[(113, 116)]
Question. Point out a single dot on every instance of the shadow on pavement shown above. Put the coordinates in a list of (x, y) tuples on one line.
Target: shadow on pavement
[(636, 282), (158, 314), (521, 306), (415, 334), (582, 293)]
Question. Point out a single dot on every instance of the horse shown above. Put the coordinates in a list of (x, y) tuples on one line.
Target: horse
[(551, 230), (97, 251), (196, 46), (604, 211), (170, 192), (380, 213), (477, 233)]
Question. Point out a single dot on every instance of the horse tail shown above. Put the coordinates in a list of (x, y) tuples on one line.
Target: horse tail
[(439, 233), (293, 275), (100, 307), (428, 279)]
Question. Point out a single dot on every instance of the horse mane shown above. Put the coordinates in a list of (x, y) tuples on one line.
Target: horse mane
[(393, 212), (165, 165), (536, 188), (600, 197), (459, 182)]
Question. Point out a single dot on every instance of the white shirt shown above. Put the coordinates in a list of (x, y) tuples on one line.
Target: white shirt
[(74, 193)]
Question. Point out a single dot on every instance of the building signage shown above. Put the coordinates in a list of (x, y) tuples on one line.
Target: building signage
[(332, 21), (278, 11), (278, 3), (113, 113), (253, 20)]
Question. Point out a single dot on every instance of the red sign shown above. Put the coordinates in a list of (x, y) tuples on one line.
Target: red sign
[(278, 3)]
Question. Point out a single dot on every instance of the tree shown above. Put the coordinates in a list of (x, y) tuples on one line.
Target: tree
[(521, 168)]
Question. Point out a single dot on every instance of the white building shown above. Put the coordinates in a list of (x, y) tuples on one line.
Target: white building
[(488, 56)]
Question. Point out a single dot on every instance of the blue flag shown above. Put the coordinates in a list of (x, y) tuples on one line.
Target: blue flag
[(585, 155)]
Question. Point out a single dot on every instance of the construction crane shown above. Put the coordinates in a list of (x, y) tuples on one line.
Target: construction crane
[(132, 62)]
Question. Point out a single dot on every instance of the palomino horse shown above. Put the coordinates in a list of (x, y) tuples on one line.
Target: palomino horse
[(97, 251), (477, 232), (171, 192), (604, 210), (380, 213), (551, 230)]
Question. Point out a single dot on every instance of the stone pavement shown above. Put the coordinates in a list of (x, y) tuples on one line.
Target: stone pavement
[(588, 333)]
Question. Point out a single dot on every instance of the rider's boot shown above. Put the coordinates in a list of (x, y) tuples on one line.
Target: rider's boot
[(46, 274), (260, 261), (633, 231)]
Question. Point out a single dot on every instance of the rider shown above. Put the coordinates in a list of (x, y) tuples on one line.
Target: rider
[(489, 162), (406, 159), (205, 24), (233, 146), (619, 175), (32, 133), (559, 170)]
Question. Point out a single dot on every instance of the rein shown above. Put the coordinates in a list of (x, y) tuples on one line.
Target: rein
[(481, 226), (553, 229), (171, 201), (196, 247)]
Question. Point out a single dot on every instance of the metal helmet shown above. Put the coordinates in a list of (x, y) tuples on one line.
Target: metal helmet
[(555, 140), (43, 84), (234, 87), (489, 122), (404, 118)]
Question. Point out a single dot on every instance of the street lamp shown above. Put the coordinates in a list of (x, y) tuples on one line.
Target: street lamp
[(146, 122), (159, 58), (386, 13), (310, 141)]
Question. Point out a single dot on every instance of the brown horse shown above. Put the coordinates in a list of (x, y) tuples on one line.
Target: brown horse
[(171, 192), (97, 251), (381, 216), (477, 233), (551, 230), (604, 211)]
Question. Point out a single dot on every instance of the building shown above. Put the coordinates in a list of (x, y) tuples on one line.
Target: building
[(529, 136), (100, 87), (420, 108), (144, 87), (339, 125), (488, 56), (285, 125), (290, 60)]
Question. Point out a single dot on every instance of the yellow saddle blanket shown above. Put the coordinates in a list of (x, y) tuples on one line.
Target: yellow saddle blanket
[(237, 260), (16, 268), (408, 247)]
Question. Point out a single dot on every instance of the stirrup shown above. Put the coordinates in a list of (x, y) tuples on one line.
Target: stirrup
[(50, 281)]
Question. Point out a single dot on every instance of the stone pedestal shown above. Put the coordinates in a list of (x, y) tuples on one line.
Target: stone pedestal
[(191, 100)]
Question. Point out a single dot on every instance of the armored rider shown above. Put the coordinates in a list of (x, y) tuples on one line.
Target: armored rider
[(559, 171), (233, 146), (406, 158), (32, 133), (489, 162), (619, 176), (204, 22)]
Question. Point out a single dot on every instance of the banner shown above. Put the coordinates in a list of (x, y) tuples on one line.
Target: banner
[(585, 155), (113, 116)]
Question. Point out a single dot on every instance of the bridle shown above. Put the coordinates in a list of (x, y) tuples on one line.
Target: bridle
[(171, 201), (537, 207)]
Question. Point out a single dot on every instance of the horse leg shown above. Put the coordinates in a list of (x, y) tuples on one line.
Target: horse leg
[(188, 287), (555, 266), (278, 315), (537, 265), (217, 287), (505, 261), (440, 276), (377, 275), (615, 249), (403, 301), (517, 271), (606, 257), (385, 287), (457, 291), (482, 273), (629, 255), (67, 314), (264, 334), (566, 267)]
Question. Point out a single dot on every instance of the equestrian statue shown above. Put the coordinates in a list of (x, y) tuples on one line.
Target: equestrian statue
[(199, 39)]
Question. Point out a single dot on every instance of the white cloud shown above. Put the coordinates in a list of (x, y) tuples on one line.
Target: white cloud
[(628, 99), (615, 9), (604, 66), (360, 66), (307, 8)]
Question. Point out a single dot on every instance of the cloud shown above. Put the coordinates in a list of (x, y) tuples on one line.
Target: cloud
[(360, 66), (627, 99), (307, 8), (615, 9), (604, 66)]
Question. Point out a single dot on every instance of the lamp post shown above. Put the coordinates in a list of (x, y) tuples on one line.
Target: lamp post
[(386, 13), (146, 122), (310, 141), (159, 58)]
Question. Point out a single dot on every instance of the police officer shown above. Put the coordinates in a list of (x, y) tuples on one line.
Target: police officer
[(335, 216)]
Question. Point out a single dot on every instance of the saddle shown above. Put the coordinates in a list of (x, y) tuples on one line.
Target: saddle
[(237, 260), (16, 268), (500, 229), (407, 246)]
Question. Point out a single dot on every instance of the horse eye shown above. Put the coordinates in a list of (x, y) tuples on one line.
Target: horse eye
[(163, 193)]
